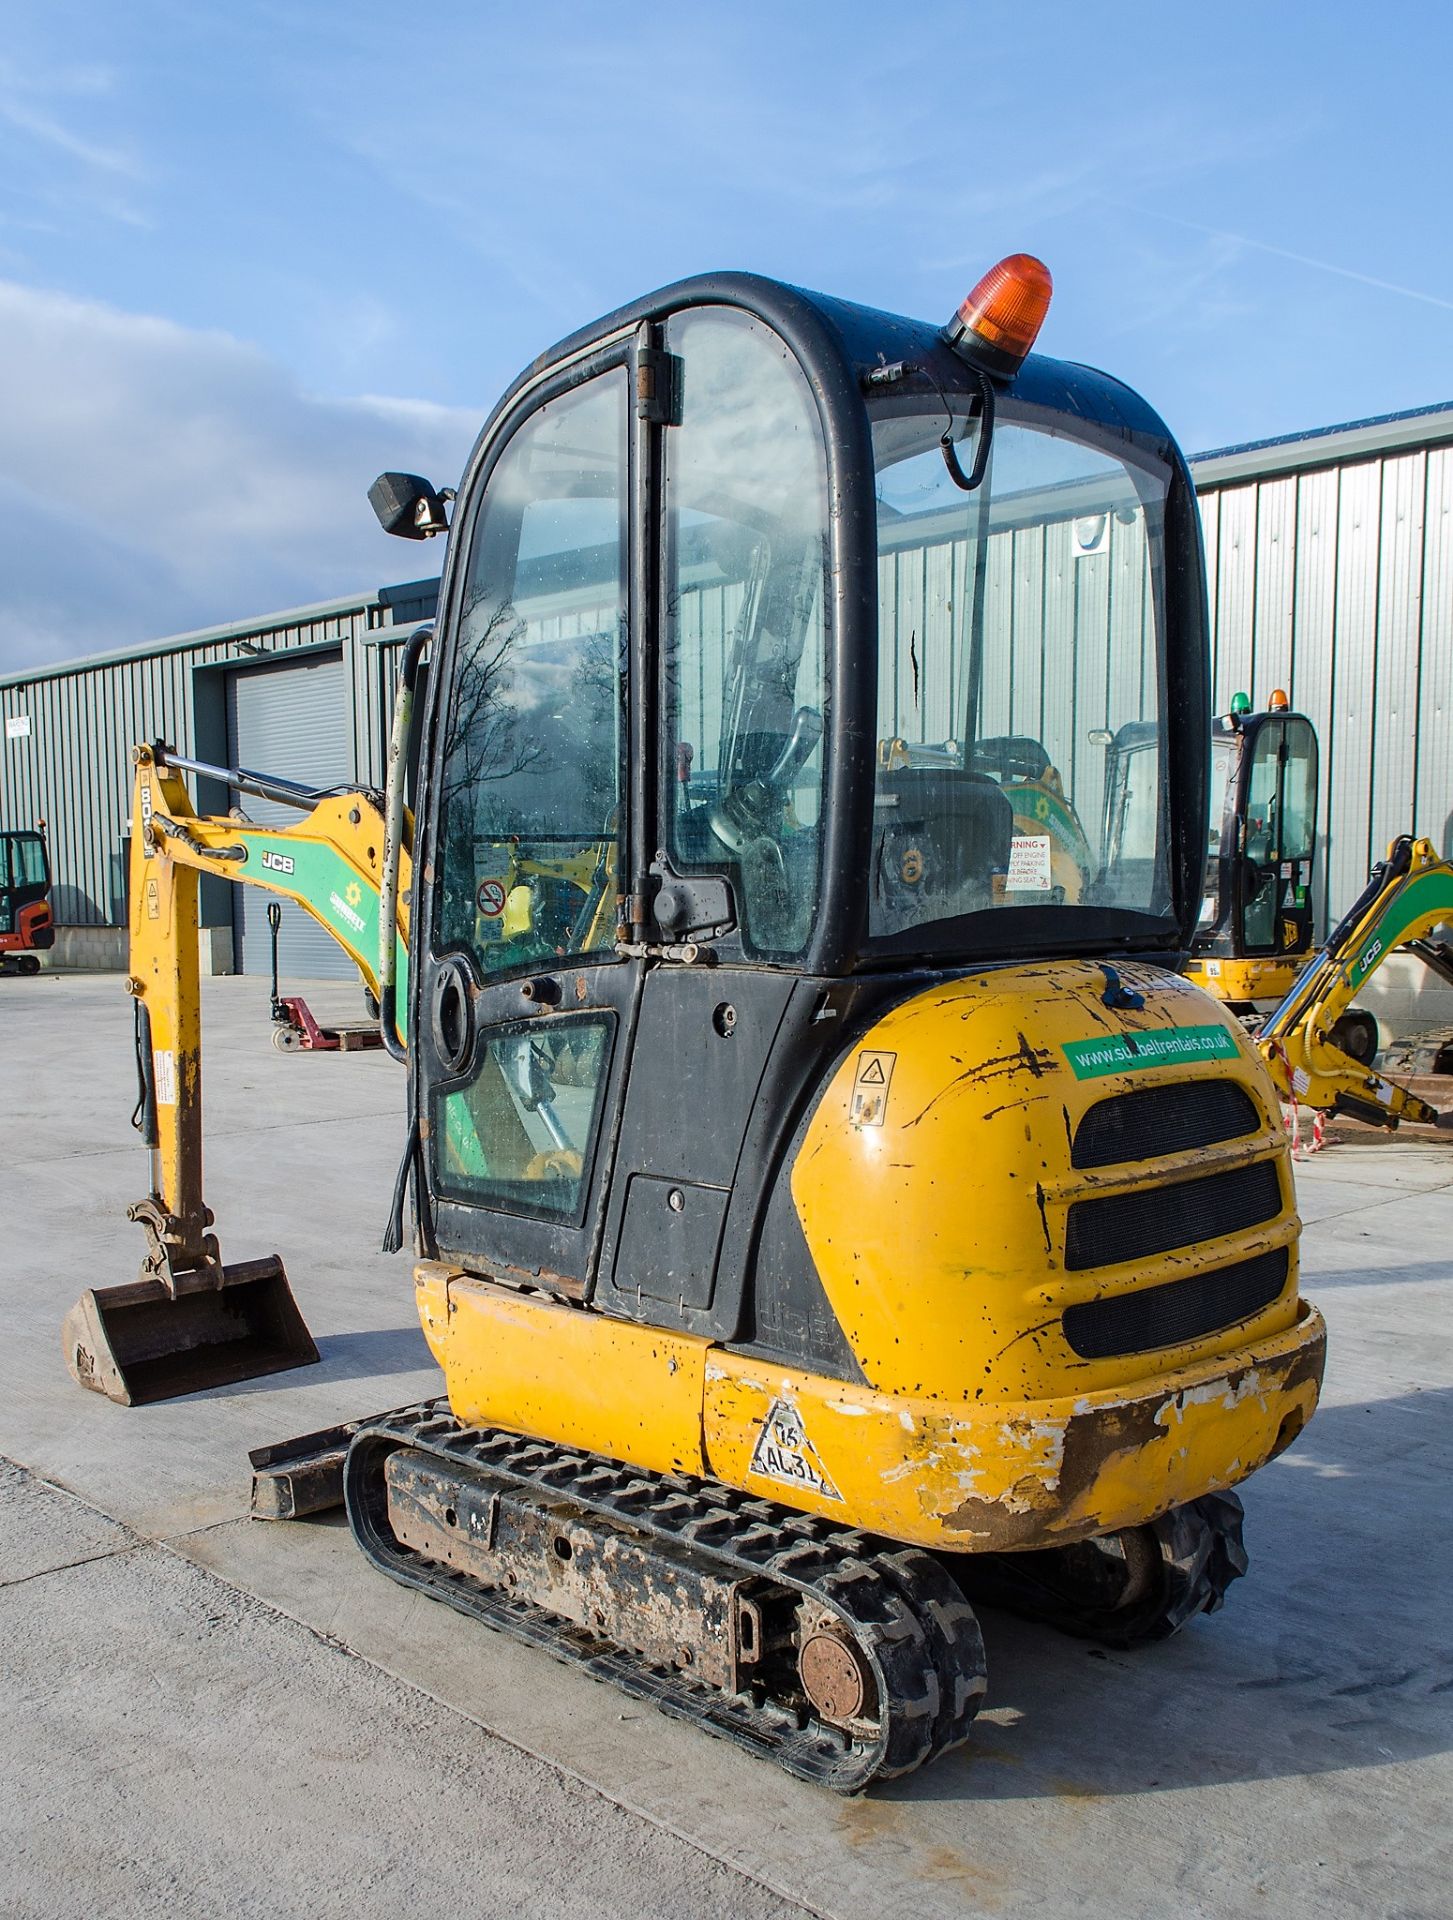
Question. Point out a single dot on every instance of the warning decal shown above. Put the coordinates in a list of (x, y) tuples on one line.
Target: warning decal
[(164, 1063), (870, 1089), (785, 1454), (490, 898), (1029, 864)]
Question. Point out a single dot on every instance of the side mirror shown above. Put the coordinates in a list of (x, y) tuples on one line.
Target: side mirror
[(409, 506)]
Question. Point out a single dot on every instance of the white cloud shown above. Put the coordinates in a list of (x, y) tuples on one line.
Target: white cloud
[(155, 478)]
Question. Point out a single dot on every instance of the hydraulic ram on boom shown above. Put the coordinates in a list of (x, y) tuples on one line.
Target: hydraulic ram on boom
[(189, 1321)]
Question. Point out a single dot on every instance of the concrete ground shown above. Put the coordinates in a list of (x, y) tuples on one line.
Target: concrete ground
[(203, 1712)]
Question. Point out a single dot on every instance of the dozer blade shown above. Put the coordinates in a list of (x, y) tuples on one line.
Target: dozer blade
[(294, 1478), (139, 1343)]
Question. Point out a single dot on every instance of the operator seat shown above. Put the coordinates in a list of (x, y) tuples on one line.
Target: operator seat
[(940, 835)]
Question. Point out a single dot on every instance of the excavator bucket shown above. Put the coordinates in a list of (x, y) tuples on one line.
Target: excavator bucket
[(140, 1342)]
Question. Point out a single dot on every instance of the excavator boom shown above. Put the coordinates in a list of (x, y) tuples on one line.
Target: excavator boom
[(1409, 895), (190, 1321)]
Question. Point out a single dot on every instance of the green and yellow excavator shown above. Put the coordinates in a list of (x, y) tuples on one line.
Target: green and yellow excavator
[(1254, 936), (829, 1209), (1407, 901), (1254, 949), (191, 1321)]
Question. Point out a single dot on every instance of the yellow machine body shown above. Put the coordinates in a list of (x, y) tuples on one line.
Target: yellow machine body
[(1257, 982), (975, 1425)]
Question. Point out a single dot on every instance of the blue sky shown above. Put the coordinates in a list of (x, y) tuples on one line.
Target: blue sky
[(250, 255)]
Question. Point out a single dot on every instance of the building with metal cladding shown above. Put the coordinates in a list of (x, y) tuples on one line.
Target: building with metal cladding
[(306, 694), (1330, 564)]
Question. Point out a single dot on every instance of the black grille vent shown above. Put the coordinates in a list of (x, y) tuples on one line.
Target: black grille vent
[(1180, 1310), (1148, 1220), (1169, 1119)]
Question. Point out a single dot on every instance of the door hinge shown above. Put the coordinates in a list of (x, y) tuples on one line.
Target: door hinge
[(658, 386)]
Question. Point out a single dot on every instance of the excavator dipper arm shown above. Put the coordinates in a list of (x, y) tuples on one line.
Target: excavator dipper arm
[(189, 1321), (1409, 894)]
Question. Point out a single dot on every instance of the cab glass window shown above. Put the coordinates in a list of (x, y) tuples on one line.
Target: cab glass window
[(1299, 791), (743, 646), (1021, 739), (519, 1136), (535, 720), (27, 860)]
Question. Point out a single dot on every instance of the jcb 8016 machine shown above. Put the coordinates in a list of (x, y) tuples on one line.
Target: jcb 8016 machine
[(826, 1211)]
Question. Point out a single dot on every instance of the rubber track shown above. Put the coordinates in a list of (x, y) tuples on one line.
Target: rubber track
[(919, 1636)]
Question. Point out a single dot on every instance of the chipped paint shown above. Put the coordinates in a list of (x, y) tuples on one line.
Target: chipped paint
[(939, 1241)]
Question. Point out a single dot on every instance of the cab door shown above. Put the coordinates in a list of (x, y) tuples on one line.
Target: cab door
[(524, 1005), (1278, 836)]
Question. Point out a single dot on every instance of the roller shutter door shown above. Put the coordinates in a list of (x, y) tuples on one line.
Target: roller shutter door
[(289, 720)]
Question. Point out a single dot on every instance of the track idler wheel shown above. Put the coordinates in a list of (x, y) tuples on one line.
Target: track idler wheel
[(1125, 1588), (836, 1677)]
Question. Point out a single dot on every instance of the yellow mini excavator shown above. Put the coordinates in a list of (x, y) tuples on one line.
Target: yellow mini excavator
[(1254, 935), (1255, 932), (826, 1215)]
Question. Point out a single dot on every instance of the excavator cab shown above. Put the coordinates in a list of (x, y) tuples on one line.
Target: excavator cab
[(704, 762), (1256, 933), (26, 926)]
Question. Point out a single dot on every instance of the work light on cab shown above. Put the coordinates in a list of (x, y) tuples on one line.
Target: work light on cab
[(1000, 320)]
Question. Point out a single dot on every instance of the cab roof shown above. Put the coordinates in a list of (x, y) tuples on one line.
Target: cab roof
[(862, 338)]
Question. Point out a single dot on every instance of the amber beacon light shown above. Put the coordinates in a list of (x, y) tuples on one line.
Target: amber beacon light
[(1000, 320)]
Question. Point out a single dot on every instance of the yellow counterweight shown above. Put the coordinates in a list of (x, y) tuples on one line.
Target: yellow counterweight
[(1047, 1348)]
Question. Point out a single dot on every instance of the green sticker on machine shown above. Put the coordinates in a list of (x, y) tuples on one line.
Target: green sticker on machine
[(1161, 1047)]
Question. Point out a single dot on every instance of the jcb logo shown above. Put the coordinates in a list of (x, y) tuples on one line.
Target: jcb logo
[(278, 862), (1366, 959)]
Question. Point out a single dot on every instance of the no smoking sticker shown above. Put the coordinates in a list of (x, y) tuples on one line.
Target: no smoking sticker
[(490, 898), (870, 1089)]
